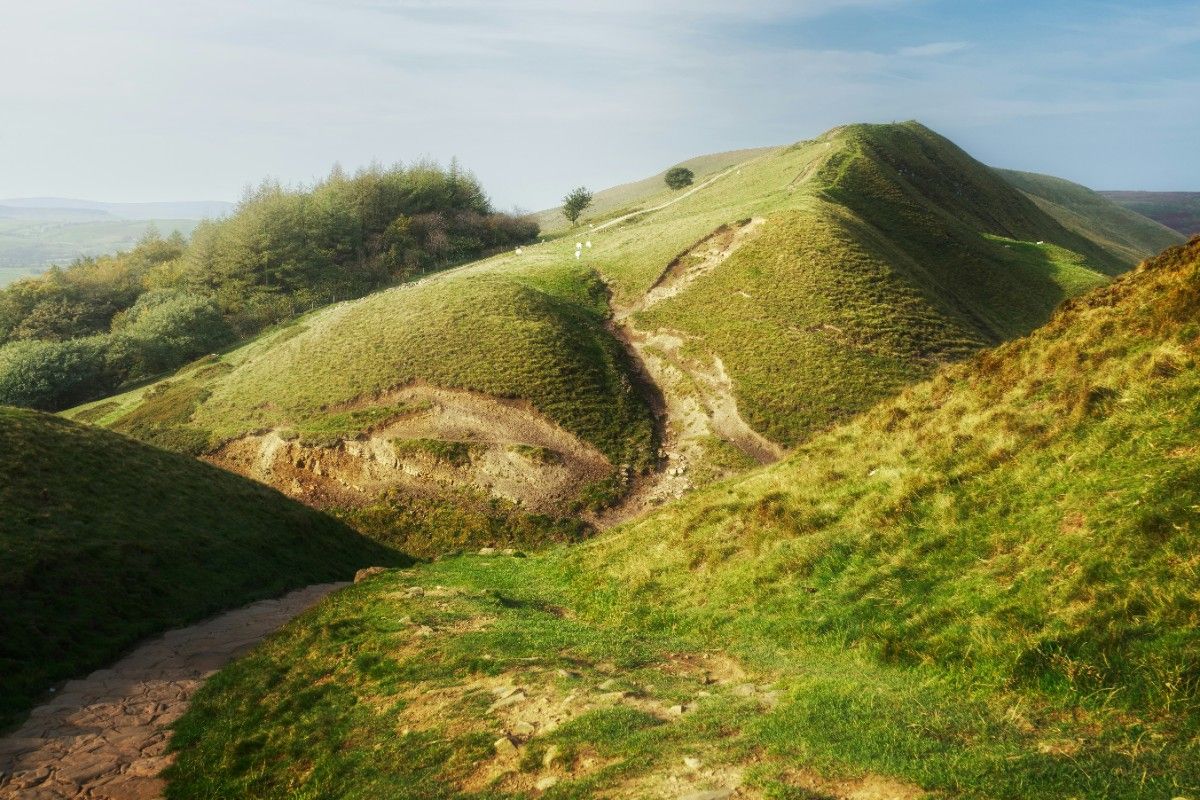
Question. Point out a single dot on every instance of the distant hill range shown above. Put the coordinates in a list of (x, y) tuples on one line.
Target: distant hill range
[(1177, 210), (38, 232)]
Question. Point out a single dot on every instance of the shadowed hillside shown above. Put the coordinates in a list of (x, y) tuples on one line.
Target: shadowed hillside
[(104, 541)]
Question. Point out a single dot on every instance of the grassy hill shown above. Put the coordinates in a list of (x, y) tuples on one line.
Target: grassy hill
[(468, 381), (1094, 215), (104, 541), (1179, 211), (648, 191), (982, 588), (791, 290)]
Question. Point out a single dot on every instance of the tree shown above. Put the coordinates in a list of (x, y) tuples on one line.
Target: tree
[(679, 177), (575, 203)]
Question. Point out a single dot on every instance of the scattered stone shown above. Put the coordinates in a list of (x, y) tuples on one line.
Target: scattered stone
[(745, 690), (487, 551), (608, 685), (504, 746), (612, 697), (367, 572), (510, 700), (691, 762), (712, 794), (415, 591), (678, 710), (424, 631), (502, 692), (552, 756), (567, 673), (509, 551), (523, 728), (546, 783)]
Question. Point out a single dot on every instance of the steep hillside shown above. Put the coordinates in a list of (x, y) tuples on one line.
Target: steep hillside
[(479, 387), (776, 297), (984, 588), (1179, 211), (104, 541), (1094, 215)]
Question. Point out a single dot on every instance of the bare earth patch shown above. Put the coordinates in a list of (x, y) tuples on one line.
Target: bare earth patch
[(104, 737), (510, 451)]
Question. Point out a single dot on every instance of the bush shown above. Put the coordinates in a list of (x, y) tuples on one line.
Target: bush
[(54, 375), (164, 329), (679, 177)]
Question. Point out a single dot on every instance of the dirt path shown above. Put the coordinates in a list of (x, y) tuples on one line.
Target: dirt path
[(104, 737), (694, 402)]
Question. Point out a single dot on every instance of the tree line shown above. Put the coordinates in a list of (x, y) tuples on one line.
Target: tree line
[(81, 332)]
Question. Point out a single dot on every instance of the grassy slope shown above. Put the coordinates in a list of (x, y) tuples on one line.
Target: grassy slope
[(1179, 211), (879, 259), (886, 251), (647, 192), (985, 587), (487, 328), (105, 540), (1093, 215)]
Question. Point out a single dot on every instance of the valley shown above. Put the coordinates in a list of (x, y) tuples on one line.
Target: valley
[(856, 469)]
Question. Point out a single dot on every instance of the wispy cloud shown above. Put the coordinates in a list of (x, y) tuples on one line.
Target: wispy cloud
[(933, 49)]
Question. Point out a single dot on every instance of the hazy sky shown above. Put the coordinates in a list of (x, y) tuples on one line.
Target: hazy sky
[(124, 100)]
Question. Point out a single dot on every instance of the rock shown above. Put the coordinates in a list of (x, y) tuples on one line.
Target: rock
[(552, 756), (711, 794), (608, 685), (415, 591), (510, 700), (745, 690), (367, 572), (504, 747), (523, 728), (691, 762), (514, 553), (612, 697), (487, 551), (567, 673), (677, 711), (502, 692), (545, 783)]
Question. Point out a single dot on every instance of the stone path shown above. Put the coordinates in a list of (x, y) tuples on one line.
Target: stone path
[(104, 737)]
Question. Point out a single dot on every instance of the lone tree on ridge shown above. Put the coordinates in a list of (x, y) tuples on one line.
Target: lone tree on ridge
[(679, 177), (575, 203)]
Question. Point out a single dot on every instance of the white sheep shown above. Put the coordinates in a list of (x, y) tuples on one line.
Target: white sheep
[(589, 244), (578, 253)]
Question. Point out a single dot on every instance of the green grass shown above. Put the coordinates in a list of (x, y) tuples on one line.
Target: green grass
[(501, 334), (104, 540), (1092, 214), (985, 588), (886, 251)]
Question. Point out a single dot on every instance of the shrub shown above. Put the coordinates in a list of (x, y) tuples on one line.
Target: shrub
[(54, 375), (679, 177), (164, 329)]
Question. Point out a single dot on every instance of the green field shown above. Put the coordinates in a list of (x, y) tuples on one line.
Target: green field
[(985, 587), (29, 245), (1179, 211), (107, 541)]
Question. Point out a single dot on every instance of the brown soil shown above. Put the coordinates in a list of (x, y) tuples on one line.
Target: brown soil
[(694, 401), (104, 737), (515, 454)]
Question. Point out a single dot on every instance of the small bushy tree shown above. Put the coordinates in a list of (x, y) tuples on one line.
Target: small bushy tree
[(575, 203), (679, 177), (54, 375)]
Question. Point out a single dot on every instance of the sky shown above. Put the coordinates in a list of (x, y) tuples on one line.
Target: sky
[(133, 100)]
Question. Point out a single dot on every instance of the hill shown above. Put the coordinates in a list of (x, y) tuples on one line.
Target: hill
[(104, 541), (984, 588), (648, 191), (1095, 215), (776, 298), (1177, 210)]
